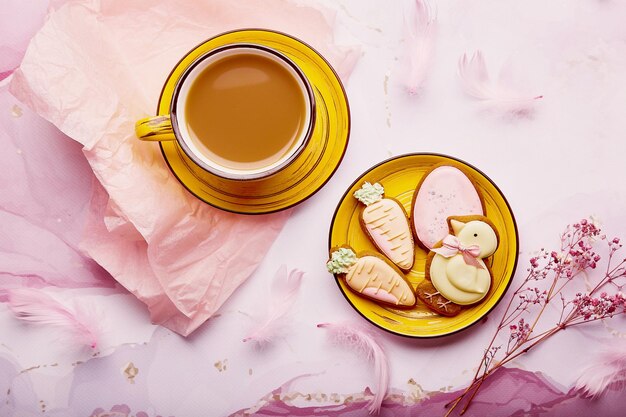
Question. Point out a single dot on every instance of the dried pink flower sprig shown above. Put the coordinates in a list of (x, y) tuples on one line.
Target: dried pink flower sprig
[(592, 308), (548, 275)]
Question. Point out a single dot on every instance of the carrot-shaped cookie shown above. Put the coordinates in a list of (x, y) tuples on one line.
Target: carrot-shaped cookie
[(387, 225), (371, 276)]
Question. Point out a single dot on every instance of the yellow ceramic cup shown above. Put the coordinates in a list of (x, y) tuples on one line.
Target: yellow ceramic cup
[(173, 127)]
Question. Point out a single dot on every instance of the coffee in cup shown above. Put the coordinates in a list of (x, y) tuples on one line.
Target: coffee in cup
[(241, 112)]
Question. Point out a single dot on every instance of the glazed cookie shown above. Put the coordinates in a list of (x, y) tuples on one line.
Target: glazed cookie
[(456, 275), (443, 192), (456, 267), (371, 276), (387, 225), (429, 295)]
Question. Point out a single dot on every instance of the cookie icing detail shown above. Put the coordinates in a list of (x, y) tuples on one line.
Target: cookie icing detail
[(445, 192), (369, 193), (374, 278), (453, 277), (389, 229), (340, 260), (387, 225), (452, 246)]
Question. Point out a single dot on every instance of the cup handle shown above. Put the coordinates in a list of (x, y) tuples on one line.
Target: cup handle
[(155, 128)]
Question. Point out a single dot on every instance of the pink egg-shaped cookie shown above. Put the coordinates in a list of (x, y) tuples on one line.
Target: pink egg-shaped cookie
[(443, 192)]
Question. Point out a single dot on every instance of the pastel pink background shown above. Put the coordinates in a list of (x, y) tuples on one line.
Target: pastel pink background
[(63, 225)]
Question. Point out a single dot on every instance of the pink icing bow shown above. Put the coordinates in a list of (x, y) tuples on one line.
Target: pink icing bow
[(451, 246)]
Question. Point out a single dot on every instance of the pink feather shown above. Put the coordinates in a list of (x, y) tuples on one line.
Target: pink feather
[(283, 294), (607, 369), (499, 94), (360, 339), (36, 306), (419, 34)]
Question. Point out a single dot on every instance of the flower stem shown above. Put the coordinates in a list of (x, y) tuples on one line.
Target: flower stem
[(576, 257)]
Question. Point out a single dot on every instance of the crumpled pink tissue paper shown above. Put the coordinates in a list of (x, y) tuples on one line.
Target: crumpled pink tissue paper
[(97, 66), (19, 20), (45, 190)]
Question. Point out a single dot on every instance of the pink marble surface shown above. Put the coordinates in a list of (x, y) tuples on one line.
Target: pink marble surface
[(511, 392), (42, 231)]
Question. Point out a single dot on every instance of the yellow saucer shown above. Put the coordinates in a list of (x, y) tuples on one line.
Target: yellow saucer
[(399, 176), (313, 167)]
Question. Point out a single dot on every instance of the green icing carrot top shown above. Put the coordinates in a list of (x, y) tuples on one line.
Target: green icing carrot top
[(340, 260), (369, 193)]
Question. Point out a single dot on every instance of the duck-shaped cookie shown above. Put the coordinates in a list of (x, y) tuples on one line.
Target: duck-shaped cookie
[(387, 225), (371, 276), (456, 267)]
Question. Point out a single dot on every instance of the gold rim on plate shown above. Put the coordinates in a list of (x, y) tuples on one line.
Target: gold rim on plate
[(309, 171), (399, 176)]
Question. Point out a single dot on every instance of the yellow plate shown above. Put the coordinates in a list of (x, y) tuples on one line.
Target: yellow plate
[(399, 176), (308, 173)]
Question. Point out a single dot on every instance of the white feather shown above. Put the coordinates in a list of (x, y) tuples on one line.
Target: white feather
[(419, 34), (35, 306), (362, 340), (283, 295), (499, 95), (608, 368)]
